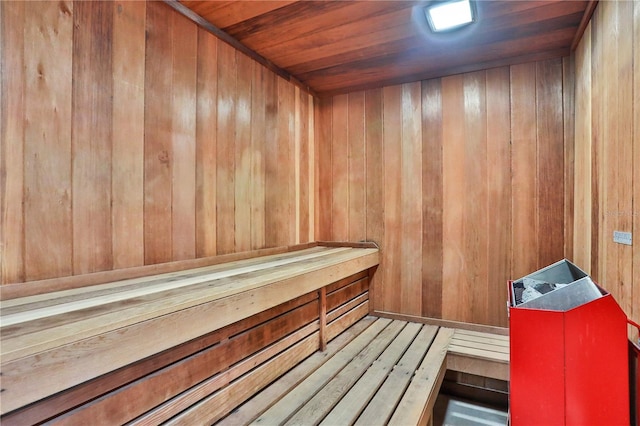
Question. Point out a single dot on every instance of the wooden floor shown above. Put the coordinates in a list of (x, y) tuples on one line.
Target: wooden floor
[(380, 371)]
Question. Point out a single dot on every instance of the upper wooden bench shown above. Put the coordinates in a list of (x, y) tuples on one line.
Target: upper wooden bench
[(54, 341)]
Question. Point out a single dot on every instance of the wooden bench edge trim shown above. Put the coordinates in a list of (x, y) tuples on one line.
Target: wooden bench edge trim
[(32, 288), (479, 367), (503, 331)]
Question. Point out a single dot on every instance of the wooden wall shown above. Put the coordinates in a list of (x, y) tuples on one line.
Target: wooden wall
[(130, 137), (461, 180), (607, 166)]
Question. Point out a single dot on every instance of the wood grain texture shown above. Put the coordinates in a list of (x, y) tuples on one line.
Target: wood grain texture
[(374, 178), (392, 169), (183, 138), (635, 301), (340, 168), (606, 142), (499, 191), (127, 122), (12, 128), (92, 137), (127, 156), (48, 114), (258, 150), (206, 147), (583, 153), (524, 164), (432, 199), (459, 202), (411, 194), (158, 156)]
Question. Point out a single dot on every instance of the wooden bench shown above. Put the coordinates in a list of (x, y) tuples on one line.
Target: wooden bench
[(380, 371), (145, 349), (479, 353)]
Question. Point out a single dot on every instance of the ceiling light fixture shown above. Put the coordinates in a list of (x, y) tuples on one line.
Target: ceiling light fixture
[(450, 15)]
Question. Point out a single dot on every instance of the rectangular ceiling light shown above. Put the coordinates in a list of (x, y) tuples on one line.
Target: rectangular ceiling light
[(449, 15)]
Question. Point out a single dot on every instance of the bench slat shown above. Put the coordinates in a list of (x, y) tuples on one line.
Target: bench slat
[(384, 402), (417, 403), (489, 355), (479, 345), (323, 401), (262, 401), (282, 410), (356, 400)]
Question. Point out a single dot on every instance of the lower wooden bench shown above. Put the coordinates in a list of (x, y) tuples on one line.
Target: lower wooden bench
[(380, 371), (479, 353)]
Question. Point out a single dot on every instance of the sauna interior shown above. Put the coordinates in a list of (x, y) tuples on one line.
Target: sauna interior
[(208, 207)]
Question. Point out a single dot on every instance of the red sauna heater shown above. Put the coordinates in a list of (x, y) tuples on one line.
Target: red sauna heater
[(569, 352)]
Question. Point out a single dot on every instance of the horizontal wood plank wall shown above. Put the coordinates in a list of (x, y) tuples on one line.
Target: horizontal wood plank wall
[(465, 185), (134, 137), (607, 183)]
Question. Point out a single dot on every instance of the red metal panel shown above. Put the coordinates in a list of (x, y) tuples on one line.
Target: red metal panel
[(596, 366), (537, 391)]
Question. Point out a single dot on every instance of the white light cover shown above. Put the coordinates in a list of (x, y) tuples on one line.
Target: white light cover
[(445, 16)]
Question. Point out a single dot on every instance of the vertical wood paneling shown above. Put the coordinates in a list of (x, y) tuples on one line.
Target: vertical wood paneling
[(445, 186), (272, 184), (324, 180), (455, 299), (138, 138), (356, 168), (568, 111), (243, 154), (475, 209), (374, 180), (635, 299), (550, 167), (158, 132), (340, 168), (91, 136), (606, 173), (286, 205), (183, 139), (12, 109), (597, 120), (499, 192), (127, 156), (286, 154), (206, 147), (432, 199), (225, 165), (48, 35), (257, 187), (624, 168), (524, 163), (391, 263), (411, 203), (304, 166), (583, 149)]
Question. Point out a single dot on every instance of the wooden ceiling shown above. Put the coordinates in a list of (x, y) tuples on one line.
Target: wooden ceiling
[(340, 46)]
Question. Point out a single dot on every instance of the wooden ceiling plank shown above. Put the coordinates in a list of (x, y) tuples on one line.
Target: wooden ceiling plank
[(415, 63), (429, 47), (308, 17), (336, 46), (340, 35), (228, 13)]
